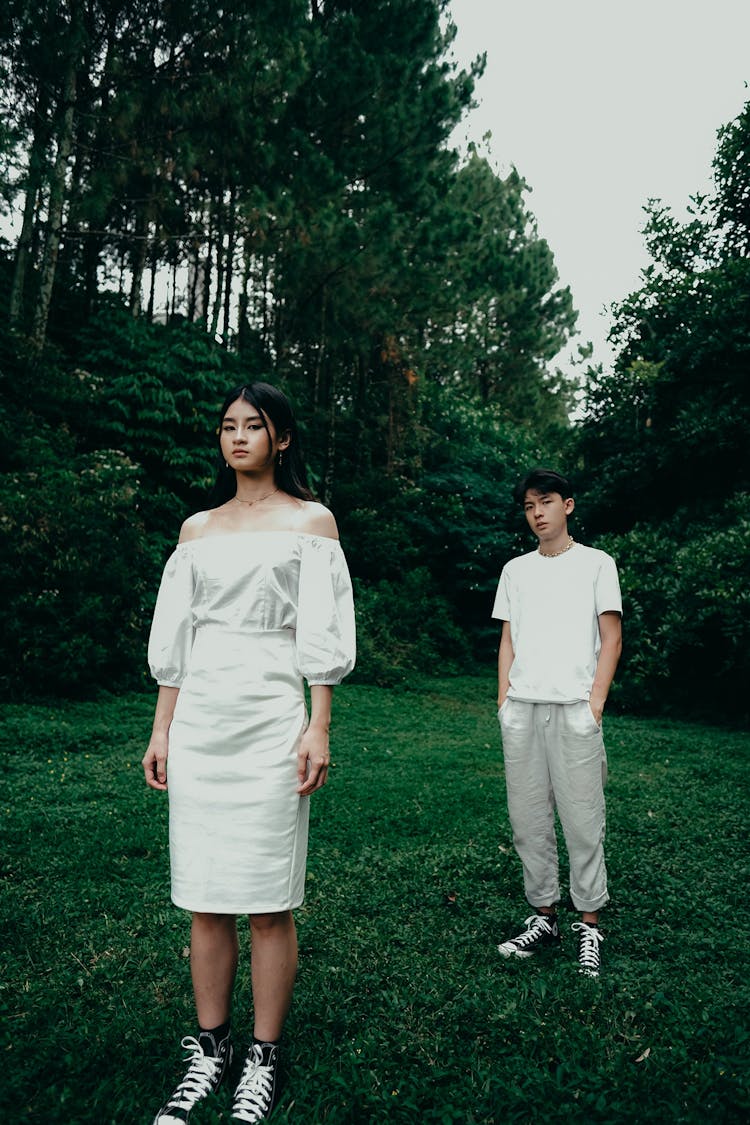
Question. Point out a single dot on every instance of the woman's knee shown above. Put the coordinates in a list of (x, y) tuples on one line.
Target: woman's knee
[(262, 924), (213, 921)]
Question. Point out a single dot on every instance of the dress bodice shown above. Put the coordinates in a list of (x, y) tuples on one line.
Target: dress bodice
[(253, 582)]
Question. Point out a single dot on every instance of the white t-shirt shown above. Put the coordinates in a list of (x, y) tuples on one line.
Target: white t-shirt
[(553, 607)]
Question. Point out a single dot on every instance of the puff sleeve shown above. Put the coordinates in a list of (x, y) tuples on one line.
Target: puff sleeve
[(172, 630), (326, 645)]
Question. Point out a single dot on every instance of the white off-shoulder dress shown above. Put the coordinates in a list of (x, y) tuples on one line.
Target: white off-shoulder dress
[(240, 620)]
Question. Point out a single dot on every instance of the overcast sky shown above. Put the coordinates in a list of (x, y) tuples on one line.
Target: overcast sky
[(601, 104)]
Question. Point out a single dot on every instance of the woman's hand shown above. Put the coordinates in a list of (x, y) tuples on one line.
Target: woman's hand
[(155, 761), (313, 759)]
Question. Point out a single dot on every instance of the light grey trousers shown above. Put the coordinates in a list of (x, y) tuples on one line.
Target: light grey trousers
[(555, 758)]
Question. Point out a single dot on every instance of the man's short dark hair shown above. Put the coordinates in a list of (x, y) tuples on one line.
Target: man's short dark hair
[(541, 480)]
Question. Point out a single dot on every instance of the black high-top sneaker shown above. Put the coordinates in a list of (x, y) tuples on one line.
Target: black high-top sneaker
[(589, 952), (542, 932), (258, 1086), (204, 1075)]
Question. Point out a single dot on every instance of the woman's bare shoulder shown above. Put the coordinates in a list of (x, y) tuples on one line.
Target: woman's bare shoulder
[(315, 519), (194, 526)]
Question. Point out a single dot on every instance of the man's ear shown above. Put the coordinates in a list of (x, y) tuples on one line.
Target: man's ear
[(569, 505)]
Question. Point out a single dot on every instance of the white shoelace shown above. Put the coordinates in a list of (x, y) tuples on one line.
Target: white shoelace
[(199, 1080), (253, 1095), (537, 926), (588, 950)]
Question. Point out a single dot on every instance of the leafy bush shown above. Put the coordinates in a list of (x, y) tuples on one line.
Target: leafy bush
[(455, 522), (686, 593), (77, 576), (406, 626), (100, 462)]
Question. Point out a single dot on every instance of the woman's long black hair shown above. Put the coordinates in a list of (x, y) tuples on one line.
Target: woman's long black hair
[(272, 404)]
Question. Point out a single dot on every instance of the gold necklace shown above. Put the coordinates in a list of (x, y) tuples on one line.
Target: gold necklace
[(257, 501), (554, 554)]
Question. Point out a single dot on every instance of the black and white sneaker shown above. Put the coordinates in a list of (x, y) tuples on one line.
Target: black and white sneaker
[(589, 953), (542, 932), (203, 1077), (257, 1089)]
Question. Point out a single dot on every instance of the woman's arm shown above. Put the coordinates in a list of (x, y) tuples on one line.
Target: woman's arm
[(155, 759), (313, 756)]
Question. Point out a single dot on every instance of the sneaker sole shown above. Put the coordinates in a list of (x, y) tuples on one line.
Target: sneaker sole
[(505, 952)]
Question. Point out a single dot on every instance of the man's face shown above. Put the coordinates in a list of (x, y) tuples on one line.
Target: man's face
[(547, 514)]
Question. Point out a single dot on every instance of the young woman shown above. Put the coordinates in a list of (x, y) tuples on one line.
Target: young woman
[(255, 598)]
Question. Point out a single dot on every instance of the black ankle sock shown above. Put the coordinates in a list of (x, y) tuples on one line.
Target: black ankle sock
[(210, 1038), (267, 1047)]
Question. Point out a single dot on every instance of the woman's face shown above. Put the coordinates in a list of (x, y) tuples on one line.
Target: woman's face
[(246, 444)]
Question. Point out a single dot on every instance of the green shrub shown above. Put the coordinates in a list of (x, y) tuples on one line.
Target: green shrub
[(404, 627), (686, 626), (77, 573)]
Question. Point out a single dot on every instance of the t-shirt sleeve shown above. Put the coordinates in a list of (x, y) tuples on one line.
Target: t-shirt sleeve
[(171, 638), (607, 588), (326, 640), (501, 608)]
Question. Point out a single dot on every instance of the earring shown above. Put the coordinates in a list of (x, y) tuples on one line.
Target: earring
[(281, 458), (226, 464)]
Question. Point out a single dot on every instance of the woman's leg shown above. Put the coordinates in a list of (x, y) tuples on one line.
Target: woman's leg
[(213, 964), (274, 968)]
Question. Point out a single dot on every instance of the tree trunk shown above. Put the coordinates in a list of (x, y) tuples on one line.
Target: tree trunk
[(362, 446), (171, 313), (219, 222), (320, 350), (232, 234), (196, 268), (93, 241), (24, 247), (330, 472), (153, 267), (142, 225), (243, 315), (206, 294), (56, 204)]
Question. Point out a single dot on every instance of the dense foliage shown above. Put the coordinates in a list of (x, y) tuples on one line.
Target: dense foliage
[(663, 450), (274, 195), (286, 172)]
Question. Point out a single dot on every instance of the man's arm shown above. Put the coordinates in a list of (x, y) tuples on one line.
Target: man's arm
[(504, 661), (610, 631)]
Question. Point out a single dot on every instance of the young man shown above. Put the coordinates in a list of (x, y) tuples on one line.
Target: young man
[(561, 639)]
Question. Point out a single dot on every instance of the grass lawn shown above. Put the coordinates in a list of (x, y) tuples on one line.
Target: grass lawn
[(404, 1011)]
